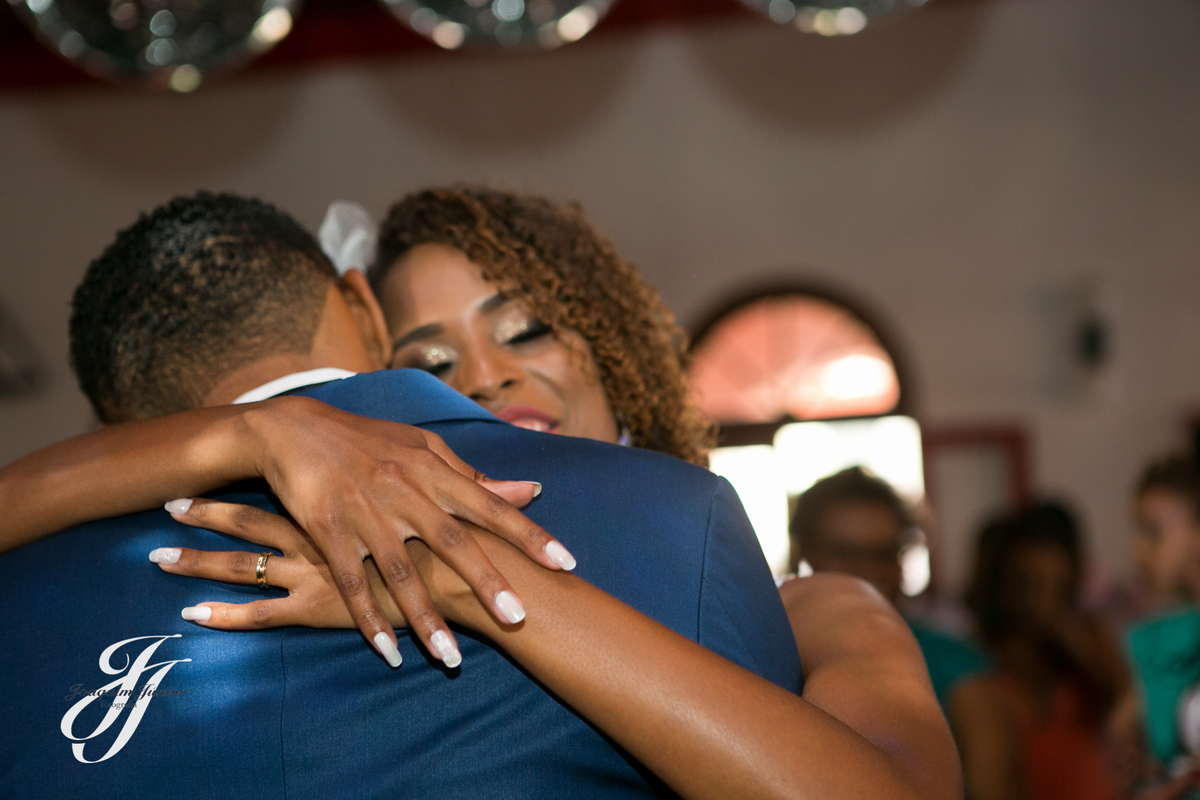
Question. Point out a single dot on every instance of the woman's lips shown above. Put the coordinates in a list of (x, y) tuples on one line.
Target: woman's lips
[(529, 418)]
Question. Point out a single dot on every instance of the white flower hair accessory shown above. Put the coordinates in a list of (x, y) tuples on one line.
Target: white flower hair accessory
[(348, 236)]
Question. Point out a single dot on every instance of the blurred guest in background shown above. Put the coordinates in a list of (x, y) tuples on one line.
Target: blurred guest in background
[(1034, 726), (855, 523), (1166, 506), (1164, 649)]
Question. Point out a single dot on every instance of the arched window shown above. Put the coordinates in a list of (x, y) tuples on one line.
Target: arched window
[(790, 355), (803, 385)]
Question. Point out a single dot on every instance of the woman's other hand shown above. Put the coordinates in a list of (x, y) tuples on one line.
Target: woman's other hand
[(313, 598)]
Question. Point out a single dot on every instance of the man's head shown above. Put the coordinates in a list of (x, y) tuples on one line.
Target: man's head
[(206, 294), (855, 523)]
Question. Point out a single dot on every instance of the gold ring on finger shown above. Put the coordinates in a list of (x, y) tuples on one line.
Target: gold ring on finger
[(260, 571)]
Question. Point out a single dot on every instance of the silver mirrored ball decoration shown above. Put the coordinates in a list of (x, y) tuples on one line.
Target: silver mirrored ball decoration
[(164, 44), (500, 23), (831, 17)]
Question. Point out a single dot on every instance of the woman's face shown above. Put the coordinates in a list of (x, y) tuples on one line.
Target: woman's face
[(446, 319), (1038, 585)]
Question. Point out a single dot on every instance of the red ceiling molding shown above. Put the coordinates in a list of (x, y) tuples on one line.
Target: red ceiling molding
[(326, 30)]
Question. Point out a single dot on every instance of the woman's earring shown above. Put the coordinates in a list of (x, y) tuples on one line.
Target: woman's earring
[(623, 439)]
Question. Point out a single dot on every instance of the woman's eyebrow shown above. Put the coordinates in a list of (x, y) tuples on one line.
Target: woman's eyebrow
[(494, 302), (416, 334)]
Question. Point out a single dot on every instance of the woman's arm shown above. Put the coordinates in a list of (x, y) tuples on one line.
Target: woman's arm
[(121, 469), (868, 724), (360, 486), (130, 467), (864, 668)]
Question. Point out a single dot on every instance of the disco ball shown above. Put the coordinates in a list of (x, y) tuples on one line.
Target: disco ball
[(163, 44), (831, 17), (500, 23)]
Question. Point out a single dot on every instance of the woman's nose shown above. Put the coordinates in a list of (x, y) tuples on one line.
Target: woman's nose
[(487, 372)]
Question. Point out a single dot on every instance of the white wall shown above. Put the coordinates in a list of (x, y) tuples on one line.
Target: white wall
[(958, 171)]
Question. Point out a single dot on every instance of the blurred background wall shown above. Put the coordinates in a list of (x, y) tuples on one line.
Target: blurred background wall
[(968, 172)]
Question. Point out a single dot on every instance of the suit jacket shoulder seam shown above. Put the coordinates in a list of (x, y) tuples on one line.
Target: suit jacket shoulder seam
[(712, 504)]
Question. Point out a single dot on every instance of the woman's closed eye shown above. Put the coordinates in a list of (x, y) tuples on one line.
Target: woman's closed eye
[(435, 359), (517, 328), (536, 330)]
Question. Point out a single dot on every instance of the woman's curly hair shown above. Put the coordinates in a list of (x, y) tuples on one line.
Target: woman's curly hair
[(574, 281)]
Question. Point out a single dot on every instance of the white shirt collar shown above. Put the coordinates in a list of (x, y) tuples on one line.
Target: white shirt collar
[(297, 380)]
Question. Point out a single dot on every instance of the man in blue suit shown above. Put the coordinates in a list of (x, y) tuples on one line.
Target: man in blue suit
[(112, 694)]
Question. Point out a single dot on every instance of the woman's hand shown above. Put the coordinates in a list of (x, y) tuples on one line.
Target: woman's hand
[(313, 600), (361, 487)]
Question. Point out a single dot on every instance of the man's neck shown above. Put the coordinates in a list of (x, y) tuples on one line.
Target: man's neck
[(251, 376), (339, 342)]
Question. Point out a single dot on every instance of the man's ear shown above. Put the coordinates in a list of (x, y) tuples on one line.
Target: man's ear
[(369, 315)]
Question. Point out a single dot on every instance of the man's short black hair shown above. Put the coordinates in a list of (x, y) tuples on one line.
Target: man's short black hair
[(854, 485), (189, 293)]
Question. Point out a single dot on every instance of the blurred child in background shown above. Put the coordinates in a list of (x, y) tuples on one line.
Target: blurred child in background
[(1155, 717), (1166, 509)]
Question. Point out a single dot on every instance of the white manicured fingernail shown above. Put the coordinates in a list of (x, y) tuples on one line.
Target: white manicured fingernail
[(560, 555), (388, 650), (510, 607), (447, 651), (196, 613), (537, 487), (165, 555), (180, 506)]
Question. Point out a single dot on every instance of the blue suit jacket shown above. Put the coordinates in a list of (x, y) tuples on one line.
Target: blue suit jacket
[(88, 623)]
